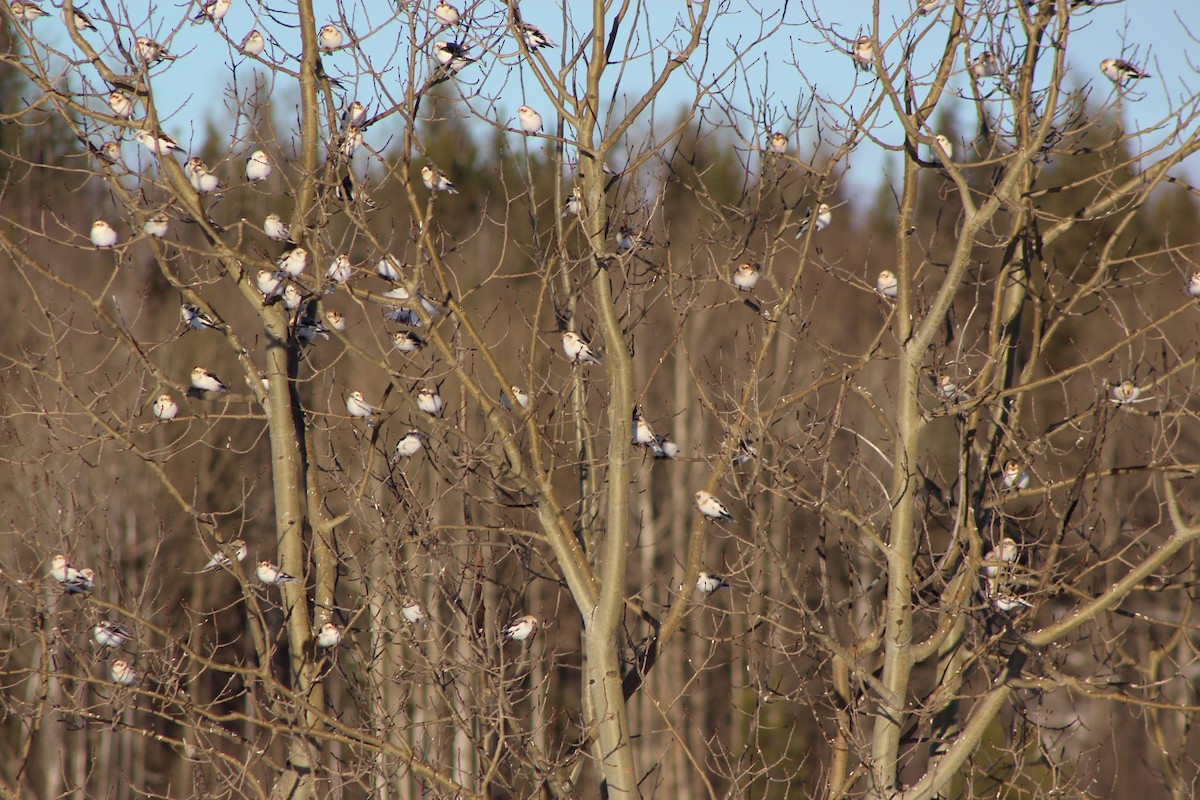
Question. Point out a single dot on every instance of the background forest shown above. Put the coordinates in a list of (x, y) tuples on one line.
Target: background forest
[(959, 553)]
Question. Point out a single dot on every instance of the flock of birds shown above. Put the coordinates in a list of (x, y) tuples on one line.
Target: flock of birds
[(282, 285)]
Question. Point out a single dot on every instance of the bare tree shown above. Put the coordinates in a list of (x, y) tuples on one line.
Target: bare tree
[(390, 440)]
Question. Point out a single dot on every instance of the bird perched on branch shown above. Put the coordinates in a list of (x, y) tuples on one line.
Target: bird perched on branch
[(207, 381), (820, 220), (165, 408), (578, 349), (221, 559), (521, 628), (711, 507), (706, 583), (272, 575), (1121, 72)]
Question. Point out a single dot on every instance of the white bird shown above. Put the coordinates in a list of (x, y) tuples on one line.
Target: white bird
[(863, 53), (308, 328), (1005, 600), (985, 65), (944, 143), (625, 239), (294, 262), (121, 104), (777, 144), (78, 20), (823, 216), (352, 141), (341, 270), (1126, 392), (272, 575), (573, 205), (26, 11), (357, 406), (405, 316), (107, 633), (711, 507), (746, 451), (258, 166), (253, 43), (642, 433), (514, 393), (1005, 552), (707, 583), (534, 37), (1120, 71), (160, 144), (122, 672), (330, 38), (103, 234), (157, 225), (207, 381), (81, 582), (663, 449), (1014, 476), (531, 121), (436, 181), (1193, 284), (927, 7), (409, 445), (445, 13), (746, 276), (578, 349), (165, 408), (275, 228), (412, 611), (429, 401), (74, 581), (150, 51), (388, 269), (452, 56), (335, 320), (354, 114), (292, 297), (202, 180), (329, 635), (267, 282), (887, 284), (212, 10), (521, 628), (221, 560), (407, 341), (60, 568), (194, 318), (110, 150), (948, 389)]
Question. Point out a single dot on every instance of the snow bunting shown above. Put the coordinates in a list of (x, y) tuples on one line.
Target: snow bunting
[(107, 633), (707, 583), (207, 381), (165, 408), (437, 181), (221, 560), (711, 507), (578, 349), (272, 575), (357, 406), (521, 628), (103, 234), (258, 166), (746, 276), (429, 401)]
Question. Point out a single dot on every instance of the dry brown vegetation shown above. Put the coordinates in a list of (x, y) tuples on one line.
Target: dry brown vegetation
[(859, 649)]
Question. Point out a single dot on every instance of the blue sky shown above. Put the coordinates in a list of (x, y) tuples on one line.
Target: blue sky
[(767, 81)]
